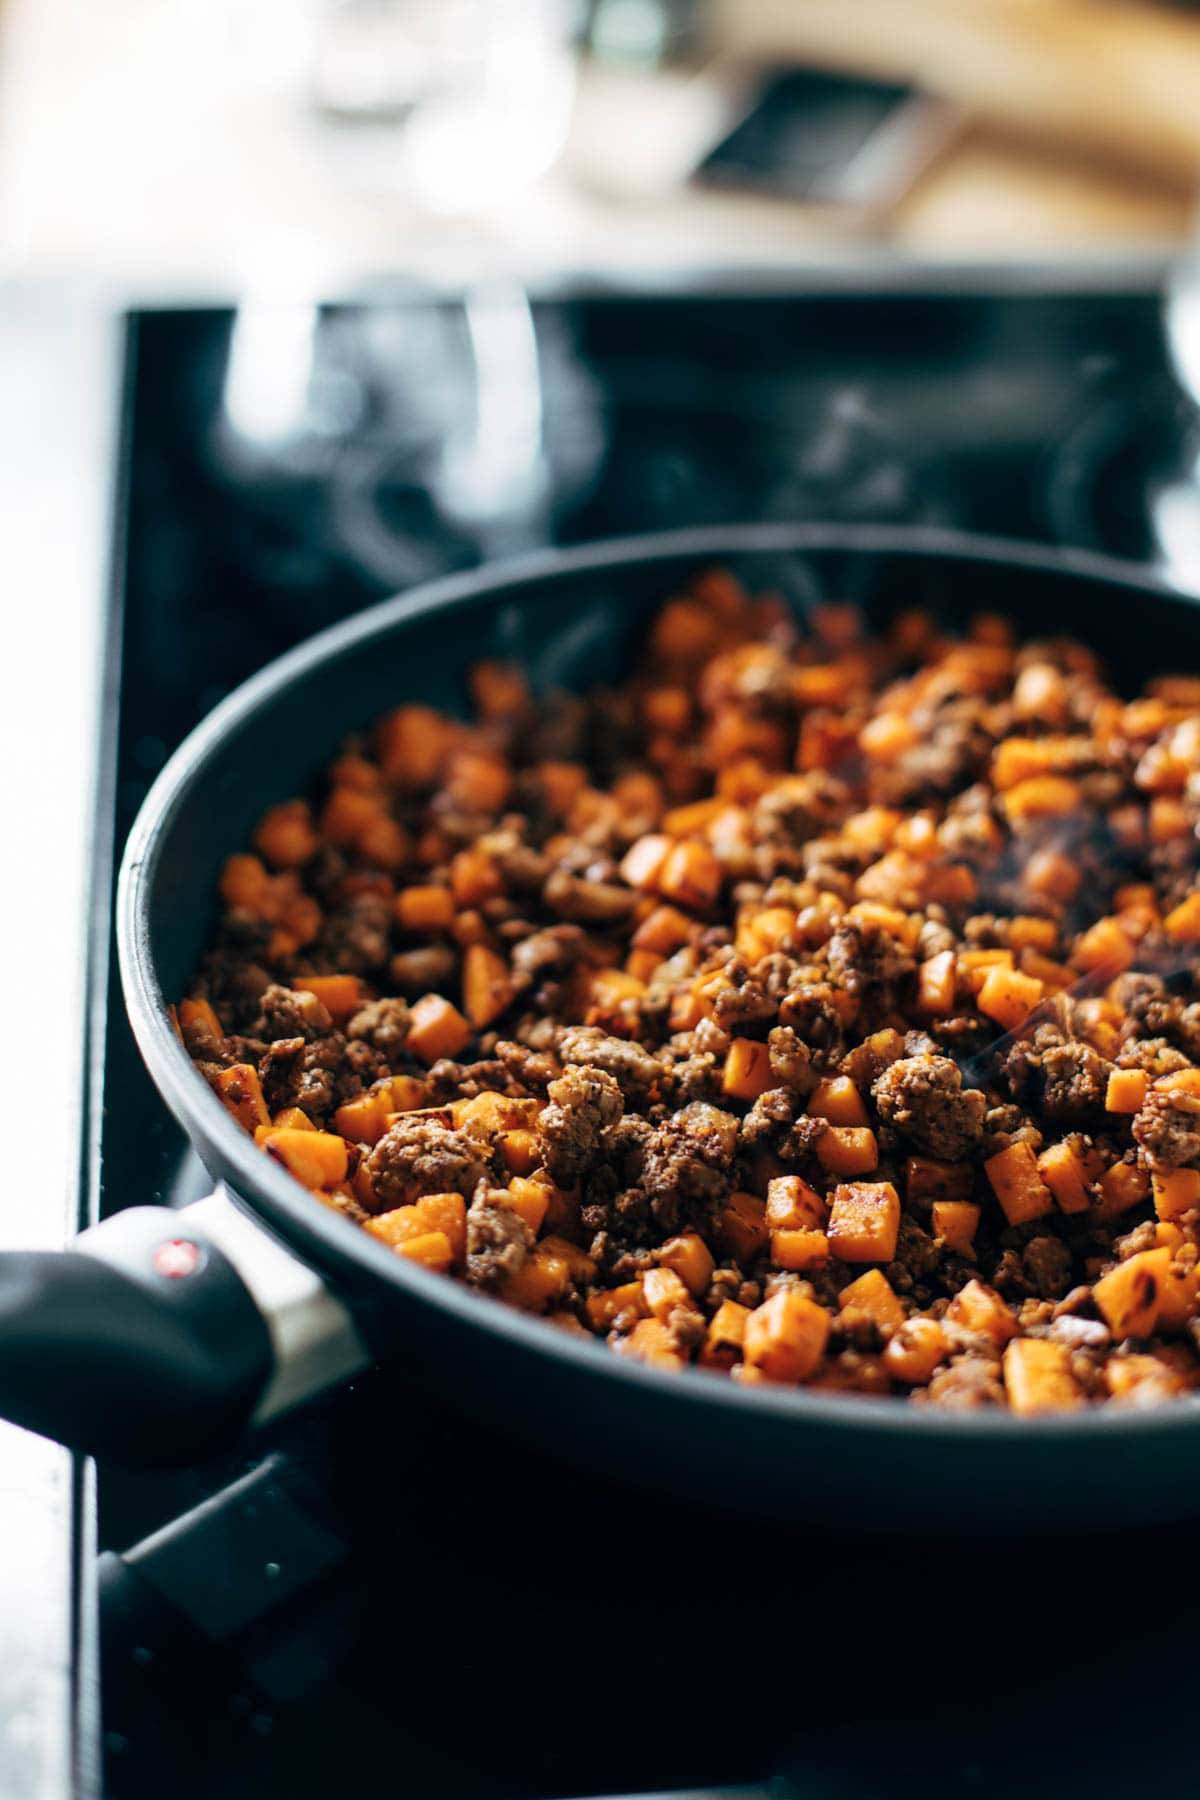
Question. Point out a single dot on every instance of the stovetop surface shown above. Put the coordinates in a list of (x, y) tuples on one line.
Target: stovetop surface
[(377, 1592)]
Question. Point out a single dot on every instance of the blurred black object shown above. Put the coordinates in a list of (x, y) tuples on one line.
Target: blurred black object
[(376, 1592), (827, 138)]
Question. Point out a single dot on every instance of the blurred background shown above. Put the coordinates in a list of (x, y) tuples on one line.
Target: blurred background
[(192, 145)]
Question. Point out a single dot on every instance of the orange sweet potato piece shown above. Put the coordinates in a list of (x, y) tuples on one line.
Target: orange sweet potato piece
[(1130, 1295), (1103, 946), (240, 1090), (425, 908), (1008, 996), (848, 1150), (644, 861), (651, 1342), (977, 1307), (936, 980), (725, 1336), (785, 1337), (873, 1295), (340, 995), (1018, 1185), (364, 1120), (864, 1221), (286, 836), (799, 1248), (794, 1206), (837, 1100), (914, 1351), (1126, 1090), (691, 1259), (200, 1012), (691, 875), (1038, 1378), (531, 1199), (487, 985), (1183, 922), (1064, 1174), (1122, 1185), (747, 1072), (1176, 1192), (664, 1291), (956, 1222), (474, 877), (742, 1226), (436, 1029), (319, 1159)]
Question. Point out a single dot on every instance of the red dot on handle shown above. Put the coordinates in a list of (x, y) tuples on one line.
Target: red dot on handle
[(176, 1258)]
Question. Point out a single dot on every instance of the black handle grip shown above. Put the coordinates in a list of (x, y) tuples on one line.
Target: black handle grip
[(144, 1344)]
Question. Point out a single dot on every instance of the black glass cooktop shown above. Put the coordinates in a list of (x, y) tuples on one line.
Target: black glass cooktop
[(379, 1595)]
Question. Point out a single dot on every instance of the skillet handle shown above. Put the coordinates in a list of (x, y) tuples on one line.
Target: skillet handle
[(160, 1335)]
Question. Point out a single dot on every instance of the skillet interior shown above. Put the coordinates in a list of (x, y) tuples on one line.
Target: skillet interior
[(574, 620)]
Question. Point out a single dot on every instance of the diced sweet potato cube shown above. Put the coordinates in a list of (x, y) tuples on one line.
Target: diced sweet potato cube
[(1122, 1186), (521, 1150), (429, 1248), (664, 1292), (1180, 1290), (914, 1351), (246, 884), (1176, 1192), (293, 1118), (886, 736), (364, 1120), (794, 1206), (1142, 1377), (412, 743), (979, 1308), (605, 1308), (1104, 946), (1063, 1172), (407, 1093), (651, 1342), (1018, 1185), (641, 964), (542, 1278), (1028, 933), (1129, 1296), (340, 995), (240, 1090), (1009, 997), (664, 930), (644, 861), (319, 1159), (691, 1259), (1126, 1090), (785, 1337), (347, 813), (478, 781), (1052, 875), (1041, 797), (936, 981), (873, 1295), (436, 1029), (562, 783), (864, 1221), (690, 874), (446, 1213), (200, 1012), (956, 1222), (498, 689), (487, 985), (747, 1072), (1038, 1378), (799, 1248), (839, 1101), (1183, 922), (925, 1179), (531, 1199), (743, 1227), (474, 877), (725, 1336), (848, 1150), (489, 1113), (286, 836), (1182, 1081), (427, 908)]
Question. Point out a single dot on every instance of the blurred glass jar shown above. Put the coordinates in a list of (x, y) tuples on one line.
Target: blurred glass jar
[(480, 92)]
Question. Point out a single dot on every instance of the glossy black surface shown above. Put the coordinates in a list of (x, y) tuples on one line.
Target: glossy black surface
[(501, 1625)]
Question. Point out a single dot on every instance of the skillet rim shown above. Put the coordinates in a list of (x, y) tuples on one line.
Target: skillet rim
[(283, 1208)]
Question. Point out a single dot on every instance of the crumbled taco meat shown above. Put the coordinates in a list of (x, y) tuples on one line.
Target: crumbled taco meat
[(816, 1008)]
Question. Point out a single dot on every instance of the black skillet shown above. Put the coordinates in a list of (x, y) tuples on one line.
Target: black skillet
[(162, 1334)]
